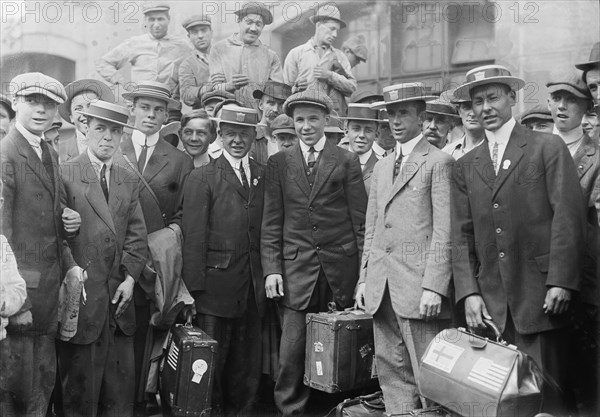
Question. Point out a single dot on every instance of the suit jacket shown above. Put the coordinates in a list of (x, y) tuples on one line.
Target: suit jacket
[(221, 229), (32, 224), (368, 171), (518, 233), (67, 148), (165, 172), (407, 239), (112, 239), (305, 230), (587, 163)]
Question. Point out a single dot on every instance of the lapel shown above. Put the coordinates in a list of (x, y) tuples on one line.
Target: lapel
[(483, 164), (513, 153), (35, 163), (369, 166), (583, 158), (127, 148), (158, 160), (229, 175), (410, 167), (328, 160), (295, 160), (72, 149), (94, 194), (255, 177)]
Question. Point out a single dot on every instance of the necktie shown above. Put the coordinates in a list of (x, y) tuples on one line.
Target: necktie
[(495, 157), (398, 165), (103, 182), (142, 157), (311, 160), (244, 178), (47, 160)]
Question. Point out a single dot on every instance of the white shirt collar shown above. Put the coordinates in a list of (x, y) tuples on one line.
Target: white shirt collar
[(379, 151), (138, 138), (571, 136), (318, 146), (502, 135), (364, 158), (33, 139), (98, 163), (407, 147), (235, 162)]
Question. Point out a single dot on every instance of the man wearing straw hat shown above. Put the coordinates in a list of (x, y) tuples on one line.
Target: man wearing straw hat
[(518, 229), (96, 364), (406, 270)]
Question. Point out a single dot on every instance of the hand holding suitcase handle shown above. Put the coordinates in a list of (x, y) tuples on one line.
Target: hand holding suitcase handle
[(492, 326)]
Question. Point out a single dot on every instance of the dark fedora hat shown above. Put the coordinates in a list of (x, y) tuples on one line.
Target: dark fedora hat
[(594, 61), (274, 89), (111, 112), (82, 86)]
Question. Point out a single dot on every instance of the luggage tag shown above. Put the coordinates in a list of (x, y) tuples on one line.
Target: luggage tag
[(199, 367)]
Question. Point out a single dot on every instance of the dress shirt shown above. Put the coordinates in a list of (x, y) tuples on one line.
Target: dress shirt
[(97, 165), (458, 149), (82, 141), (501, 136), (364, 158), (379, 151), (139, 140), (32, 139), (572, 138), (151, 59), (193, 76), (272, 148), (215, 149), (235, 164), (407, 148), (318, 148)]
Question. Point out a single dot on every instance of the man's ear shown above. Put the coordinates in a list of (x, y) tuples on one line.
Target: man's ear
[(14, 103), (513, 97), (549, 105)]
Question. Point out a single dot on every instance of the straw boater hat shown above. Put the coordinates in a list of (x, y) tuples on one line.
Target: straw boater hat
[(311, 96), (274, 89), (570, 81), (255, 7), (108, 111), (152, 89), (232, 114), (594, 61), (401, 93), (487, 74), (77, 87), (37, 83), (361, 112), (197, 20), (537, 112), (328, 11), (283, 124)]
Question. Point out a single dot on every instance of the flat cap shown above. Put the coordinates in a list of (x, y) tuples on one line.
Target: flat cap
[(38, 83), (155, 6), (311, 96), (539, 111), (274, 89), (283, 124), (356, 45), (571, 81), (4, 99), (197, 20), (256, 7)]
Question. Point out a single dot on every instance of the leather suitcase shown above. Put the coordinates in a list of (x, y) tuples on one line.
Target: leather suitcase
[(339, 351), (187, 372), (373, 405)]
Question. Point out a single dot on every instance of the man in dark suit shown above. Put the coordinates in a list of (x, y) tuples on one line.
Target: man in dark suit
[(164, 168), (518, 228), (96, 365), (362, 129), (34, 200), (221, 220), (312, 235)]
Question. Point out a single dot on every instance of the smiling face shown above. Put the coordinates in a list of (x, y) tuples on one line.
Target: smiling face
[(251, 26), (591, 124), (567, 110), (150, 114), (270, 108), (35, 112), (196, 135), (81, 102), (492, 104), (103, 137), (157, 24), (326, 32), (404, 120), (361, 135), (309, 122), (237, 139), (201, 37)]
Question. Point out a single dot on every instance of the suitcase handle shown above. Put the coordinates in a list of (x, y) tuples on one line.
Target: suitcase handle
[(188, 318), (491, 325)]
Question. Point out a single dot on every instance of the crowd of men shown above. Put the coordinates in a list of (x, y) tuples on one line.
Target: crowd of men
[(286, 188)]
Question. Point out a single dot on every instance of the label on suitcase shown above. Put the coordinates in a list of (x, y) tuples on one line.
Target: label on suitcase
[(187, 372), (339, 351)]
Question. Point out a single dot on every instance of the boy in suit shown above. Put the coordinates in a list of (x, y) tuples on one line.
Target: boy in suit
[(96, 365)]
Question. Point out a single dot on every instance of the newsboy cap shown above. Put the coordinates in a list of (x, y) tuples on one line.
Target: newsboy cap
[(570, 81), (311, 96), (539, 111), (38, 83), (197, 20), (256, 7), (356, 45), (283, 124), (155, 6)]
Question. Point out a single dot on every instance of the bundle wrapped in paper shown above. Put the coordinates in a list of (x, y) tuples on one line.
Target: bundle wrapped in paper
[(69, 296)]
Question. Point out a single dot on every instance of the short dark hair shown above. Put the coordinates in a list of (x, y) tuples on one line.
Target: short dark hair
[(198, 114)]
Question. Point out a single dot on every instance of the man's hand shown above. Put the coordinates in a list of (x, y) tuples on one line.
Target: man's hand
[(274, 286), (21, 321), (557, 300), (321, 74), (301, 84), (125, 293), (71, 220), (238, 81), (77, 273), (475, 311), (359, 297), (431, 305), (218, 79)]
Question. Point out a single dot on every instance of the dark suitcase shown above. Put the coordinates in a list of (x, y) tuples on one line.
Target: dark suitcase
[(373, 405), (187, 371), (339, 351)]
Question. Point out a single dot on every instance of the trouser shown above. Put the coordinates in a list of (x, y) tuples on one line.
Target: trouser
[(238, 368), (27, 374), (98, 378), (399, 346), (291, 395)]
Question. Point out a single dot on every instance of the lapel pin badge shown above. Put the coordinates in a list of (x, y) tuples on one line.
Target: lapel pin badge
[(506, 164), (255, 182)]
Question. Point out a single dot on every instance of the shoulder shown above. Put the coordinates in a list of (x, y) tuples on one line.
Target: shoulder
[(440, 156), (8, 145)]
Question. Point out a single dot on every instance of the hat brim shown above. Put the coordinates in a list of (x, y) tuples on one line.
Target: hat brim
[(102, 90), (37, 90), (284, 130), (539, 116), (199, 23), (378, 105), (462, 92), (289, 108), (333, 130), (315, 19), (8, 104), (586, 66), (258, 94), (156, 9), (219, 121), (565, 87), (442, 113), (105, 118), (362, 119), (131, 96), (264, 13)]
